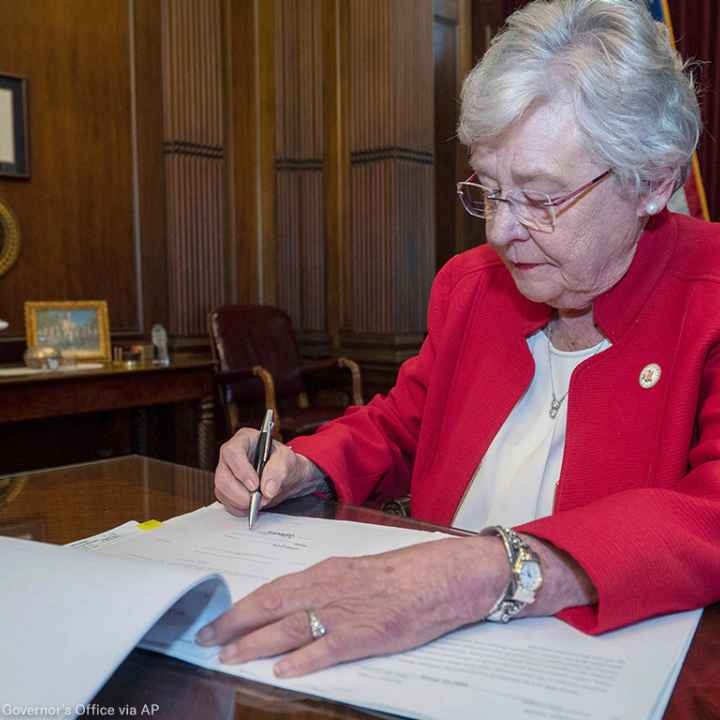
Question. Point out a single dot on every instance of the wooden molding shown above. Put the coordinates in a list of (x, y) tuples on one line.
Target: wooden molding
[(250, 87), (194, 152), (336, 47), (147, 29), (388, 349), (265, 11), (388, 261)]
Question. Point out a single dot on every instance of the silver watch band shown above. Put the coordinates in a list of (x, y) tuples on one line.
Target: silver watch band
[(515, 596)]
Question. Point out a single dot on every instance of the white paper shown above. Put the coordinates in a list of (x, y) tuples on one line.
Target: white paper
[(527, 669), (69, 618), (7, 127), (108, 537)]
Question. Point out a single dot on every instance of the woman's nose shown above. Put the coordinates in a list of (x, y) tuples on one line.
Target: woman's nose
[(504, 227)]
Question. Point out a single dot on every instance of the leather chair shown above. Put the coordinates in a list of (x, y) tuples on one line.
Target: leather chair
[(258, 366)]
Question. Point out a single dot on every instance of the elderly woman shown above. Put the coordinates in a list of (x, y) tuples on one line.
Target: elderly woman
[(569, 385)]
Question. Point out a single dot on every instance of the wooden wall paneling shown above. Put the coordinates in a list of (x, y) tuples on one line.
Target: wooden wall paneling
[(445, 52), (195, 161), (76, 212), (370, 108), (487, 17), (150, 167), (312, 213), (470, 232), (299, 165), (315, 312), (415, 170), (389, 260), (455, 230), (251, 120), (286, 186), (336, 61), (268, 248)]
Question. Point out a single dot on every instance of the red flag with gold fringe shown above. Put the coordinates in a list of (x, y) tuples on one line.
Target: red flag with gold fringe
[(689, 199)]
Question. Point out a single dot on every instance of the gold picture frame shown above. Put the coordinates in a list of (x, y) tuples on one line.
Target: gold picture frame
[(9, 238), (80, 330)]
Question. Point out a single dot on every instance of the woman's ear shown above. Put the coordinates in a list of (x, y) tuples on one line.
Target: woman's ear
[(652, 202)]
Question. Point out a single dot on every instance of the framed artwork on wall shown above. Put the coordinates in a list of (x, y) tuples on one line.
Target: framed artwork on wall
[(78, 329), (14, 141)]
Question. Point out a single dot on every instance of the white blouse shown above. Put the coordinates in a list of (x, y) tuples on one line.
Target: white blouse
[(516, 479)]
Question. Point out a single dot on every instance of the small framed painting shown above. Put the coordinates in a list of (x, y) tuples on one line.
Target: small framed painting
[(78, 329)]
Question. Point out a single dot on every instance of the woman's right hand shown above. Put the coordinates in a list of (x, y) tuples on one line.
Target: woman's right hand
[(287, 474)]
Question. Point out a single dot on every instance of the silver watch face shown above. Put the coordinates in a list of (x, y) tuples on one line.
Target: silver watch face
[(530, 576)]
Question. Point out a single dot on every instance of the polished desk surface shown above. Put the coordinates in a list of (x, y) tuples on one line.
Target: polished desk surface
[(66, 504), (112, 387), (78, 372), (109, 387)]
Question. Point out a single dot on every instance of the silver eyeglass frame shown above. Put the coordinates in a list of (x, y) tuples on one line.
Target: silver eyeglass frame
[(551, 203)]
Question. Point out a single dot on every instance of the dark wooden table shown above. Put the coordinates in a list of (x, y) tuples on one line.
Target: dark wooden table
[(66, 504), (116, 387)]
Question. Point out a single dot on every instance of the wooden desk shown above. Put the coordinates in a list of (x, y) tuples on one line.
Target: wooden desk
[(66, 504), (115, 387)]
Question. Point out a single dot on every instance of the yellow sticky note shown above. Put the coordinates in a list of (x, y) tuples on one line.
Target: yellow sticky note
[(149, 525)]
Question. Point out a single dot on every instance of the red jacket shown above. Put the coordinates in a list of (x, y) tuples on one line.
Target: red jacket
[(638, 500)]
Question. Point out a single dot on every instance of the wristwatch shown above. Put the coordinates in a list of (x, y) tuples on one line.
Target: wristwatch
[(525, 575)]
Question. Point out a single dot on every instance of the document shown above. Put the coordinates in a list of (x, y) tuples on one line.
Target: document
[(69, 618), (126, 586)]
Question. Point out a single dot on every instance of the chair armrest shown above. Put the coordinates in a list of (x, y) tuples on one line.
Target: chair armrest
[(228, 377), (314, 366), (354, 369)]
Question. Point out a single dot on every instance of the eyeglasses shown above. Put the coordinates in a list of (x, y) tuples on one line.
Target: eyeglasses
[(535, 210)]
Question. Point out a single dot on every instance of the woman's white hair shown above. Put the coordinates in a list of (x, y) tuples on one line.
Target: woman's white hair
[(633, 98)]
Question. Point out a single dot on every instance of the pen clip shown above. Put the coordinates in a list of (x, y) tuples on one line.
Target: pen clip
[(264, 444), (262, 454)]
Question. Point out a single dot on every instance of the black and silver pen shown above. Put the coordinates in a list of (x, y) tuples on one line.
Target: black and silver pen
[(262, 453)]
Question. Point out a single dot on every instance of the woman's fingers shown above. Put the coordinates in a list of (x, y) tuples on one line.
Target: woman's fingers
[(346, 638), (235, 476), (369, 605), (292, 634), (272, 602), (231, 492), (322, 653), (234, 507), (275, 474), (288, 633), (234, 461)]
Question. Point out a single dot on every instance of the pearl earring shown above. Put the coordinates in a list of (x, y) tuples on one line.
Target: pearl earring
[(652, 208)]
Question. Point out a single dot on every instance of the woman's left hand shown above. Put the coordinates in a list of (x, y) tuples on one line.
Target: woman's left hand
[(369, 605)]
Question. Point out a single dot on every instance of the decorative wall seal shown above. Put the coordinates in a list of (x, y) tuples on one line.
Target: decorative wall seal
[(9, 238)]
